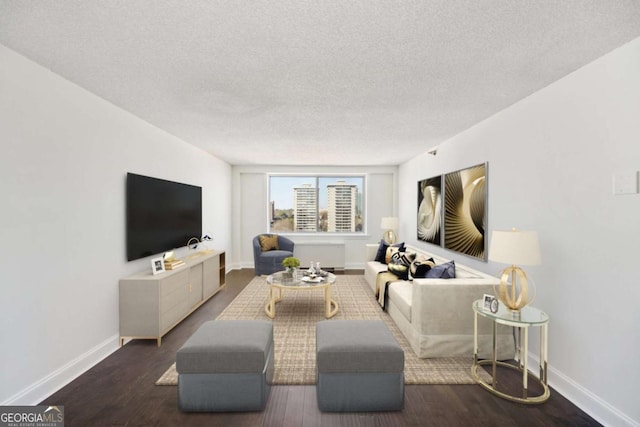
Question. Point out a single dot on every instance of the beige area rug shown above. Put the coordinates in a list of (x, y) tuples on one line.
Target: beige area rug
[(295, 334)]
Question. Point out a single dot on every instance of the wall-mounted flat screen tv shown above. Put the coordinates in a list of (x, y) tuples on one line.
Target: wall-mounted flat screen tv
[(161, 215)]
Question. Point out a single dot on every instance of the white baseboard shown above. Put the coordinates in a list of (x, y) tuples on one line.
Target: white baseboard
[(241, 265), (589, 402), (45, 387)]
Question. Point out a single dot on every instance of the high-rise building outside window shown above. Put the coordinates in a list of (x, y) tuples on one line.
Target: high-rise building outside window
[(341, 212), (316, 204), (305, 208)]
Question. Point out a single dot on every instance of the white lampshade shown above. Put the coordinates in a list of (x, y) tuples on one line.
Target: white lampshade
[(515, 247), (389, 223)]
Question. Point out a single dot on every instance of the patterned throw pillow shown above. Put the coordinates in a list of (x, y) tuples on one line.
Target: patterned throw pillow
[(390, 251), (420, 266), (400, 263), (443, 271), (269, 242), (382, 251)]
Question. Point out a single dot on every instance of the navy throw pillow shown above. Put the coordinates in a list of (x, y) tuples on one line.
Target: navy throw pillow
[(442, 271), (382, 250)]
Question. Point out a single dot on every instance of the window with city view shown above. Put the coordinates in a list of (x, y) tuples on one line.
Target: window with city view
[(316, 204)]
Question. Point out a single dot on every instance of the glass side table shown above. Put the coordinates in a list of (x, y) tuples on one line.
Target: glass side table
[(524, 319)]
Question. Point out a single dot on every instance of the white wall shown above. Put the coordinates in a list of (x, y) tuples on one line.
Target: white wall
[(551, 159), (65, 155), (250, 207)]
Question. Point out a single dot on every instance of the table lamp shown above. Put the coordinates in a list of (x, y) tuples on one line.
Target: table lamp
[(389, 224), (515, 247)]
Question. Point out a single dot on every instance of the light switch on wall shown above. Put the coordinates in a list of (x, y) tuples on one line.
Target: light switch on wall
[(625, 182)]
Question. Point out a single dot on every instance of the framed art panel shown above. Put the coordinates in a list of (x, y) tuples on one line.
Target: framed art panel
[(465, 211), (429, 222)]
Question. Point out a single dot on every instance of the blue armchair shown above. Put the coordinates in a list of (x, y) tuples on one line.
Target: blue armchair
[(271, 261)]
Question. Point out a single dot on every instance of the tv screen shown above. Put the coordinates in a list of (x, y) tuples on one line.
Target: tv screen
[(161, 215)]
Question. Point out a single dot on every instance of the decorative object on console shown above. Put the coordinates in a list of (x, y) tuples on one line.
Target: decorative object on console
[(465, 211), (205, 242), (171, 262), (515, 247), (430, 210), (157, 265), (389, 224), (193, 243)]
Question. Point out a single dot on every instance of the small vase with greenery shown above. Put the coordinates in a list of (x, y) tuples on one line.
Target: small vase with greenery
[(290, 264)]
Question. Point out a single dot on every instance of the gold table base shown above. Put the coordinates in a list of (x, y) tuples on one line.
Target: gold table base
[(489, 387), (275, 296)]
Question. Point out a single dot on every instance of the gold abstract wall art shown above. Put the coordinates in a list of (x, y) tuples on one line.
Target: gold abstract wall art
[(430, 210), (465, 212)]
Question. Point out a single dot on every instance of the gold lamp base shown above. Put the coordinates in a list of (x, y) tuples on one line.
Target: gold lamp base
[(515, 295), (389, 236)]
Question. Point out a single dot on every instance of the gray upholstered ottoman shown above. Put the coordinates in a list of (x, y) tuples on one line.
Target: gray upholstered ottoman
[(226, 365), (360, 367)]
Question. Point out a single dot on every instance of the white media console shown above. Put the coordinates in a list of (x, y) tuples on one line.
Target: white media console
[(151, 305)]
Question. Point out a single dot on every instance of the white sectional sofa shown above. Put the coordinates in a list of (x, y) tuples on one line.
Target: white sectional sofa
[(435, 315)]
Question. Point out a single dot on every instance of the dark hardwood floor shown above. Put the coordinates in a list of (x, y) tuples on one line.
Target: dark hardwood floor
[(120, 391)]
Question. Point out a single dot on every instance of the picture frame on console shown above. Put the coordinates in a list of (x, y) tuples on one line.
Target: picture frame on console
[(157, 265)]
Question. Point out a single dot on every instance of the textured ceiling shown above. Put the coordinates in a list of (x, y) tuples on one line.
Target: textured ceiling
[(334, 82)]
